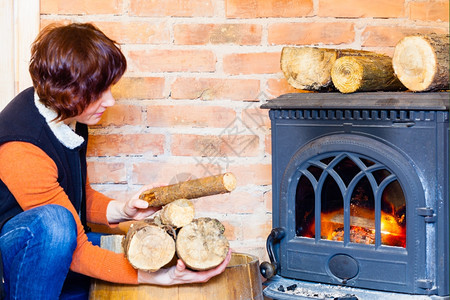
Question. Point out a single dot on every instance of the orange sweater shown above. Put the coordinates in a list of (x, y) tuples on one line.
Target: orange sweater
[(31, 176)]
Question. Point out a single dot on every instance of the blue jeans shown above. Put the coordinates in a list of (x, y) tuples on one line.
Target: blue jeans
[(37, 247)]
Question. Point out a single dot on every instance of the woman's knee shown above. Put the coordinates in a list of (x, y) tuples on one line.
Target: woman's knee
[(49, 231), (59, 227), (46, 227)]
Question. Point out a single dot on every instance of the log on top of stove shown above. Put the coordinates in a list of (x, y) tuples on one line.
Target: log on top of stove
[(421, 62), (359, 74), (309, 68)]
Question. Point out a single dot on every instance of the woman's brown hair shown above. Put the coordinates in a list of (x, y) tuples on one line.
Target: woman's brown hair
[(72, 65)]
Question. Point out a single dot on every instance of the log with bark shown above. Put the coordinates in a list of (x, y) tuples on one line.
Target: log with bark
[(309, 68), (201, 244), (421, 62), (191, 189), (365, 74)]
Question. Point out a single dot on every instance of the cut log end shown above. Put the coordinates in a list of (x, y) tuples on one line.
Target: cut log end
[(415, 63), (229, 181), (178, 213), (148, 247), (307, 68), (365, 74), (421, 62), (347, 75), (201, 244)]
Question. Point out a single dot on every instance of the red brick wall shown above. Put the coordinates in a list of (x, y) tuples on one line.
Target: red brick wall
[(188, 105)]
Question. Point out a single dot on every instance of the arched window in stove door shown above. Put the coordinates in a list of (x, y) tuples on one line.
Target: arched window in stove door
[(357, 200)]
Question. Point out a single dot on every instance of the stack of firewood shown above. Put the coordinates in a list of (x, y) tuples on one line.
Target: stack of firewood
[(174, 232), (420, 63)]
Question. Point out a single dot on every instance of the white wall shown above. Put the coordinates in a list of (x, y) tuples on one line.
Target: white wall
[(19, 21)]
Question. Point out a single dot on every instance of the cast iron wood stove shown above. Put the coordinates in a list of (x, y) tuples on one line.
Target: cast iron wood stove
[(360, 196)]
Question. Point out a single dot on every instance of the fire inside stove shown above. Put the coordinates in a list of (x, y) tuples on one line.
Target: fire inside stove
[(356, 199)]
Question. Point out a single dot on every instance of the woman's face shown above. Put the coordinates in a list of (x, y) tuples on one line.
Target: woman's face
[(92, 114)]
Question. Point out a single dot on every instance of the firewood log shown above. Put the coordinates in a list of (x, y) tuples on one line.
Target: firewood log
[(309, 68), (201, 244), (365, 74), (176, 214), (148, 246), (190, 189), (421, 62)]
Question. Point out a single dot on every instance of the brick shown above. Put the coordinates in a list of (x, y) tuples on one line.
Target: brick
[(268, 8), (139, 88), (172, 8), (227, 202), (389, 36), (121, 115), (268, 201), (136, 32), (362, 8), (44, 22), (230, 230), (113, 192), (202, 34), (106, 172), (259, 228), (164, 173), (268, 144), (76, 7), (277, 87), (252, 63), (126, 32), (257, 174), (198, 116), (225, 146), (311, 33), (256, 118), (215, 88), (172, 61), (124, 145), (429, 11)]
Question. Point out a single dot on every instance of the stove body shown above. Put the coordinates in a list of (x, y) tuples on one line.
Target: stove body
[(360, 190)]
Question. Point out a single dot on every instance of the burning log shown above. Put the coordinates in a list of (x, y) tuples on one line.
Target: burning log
[(365, 74), (190, 189), (362, 227), (421, 62), (309, 68)]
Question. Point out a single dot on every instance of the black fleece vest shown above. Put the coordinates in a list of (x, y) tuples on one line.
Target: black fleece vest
[(20, 120)]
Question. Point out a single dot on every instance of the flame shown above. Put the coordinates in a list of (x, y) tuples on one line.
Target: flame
[(362, 227), (392, 233)]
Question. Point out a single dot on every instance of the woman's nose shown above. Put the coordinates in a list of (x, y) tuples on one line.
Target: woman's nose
[(108, 99)]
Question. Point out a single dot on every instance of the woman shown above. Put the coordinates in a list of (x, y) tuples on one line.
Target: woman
[(45, 198)]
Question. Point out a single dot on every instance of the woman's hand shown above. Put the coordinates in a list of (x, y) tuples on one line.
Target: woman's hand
[(179, 274), (133, 209)]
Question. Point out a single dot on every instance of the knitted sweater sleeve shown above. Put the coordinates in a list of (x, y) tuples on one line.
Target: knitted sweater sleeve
[(31, 176)]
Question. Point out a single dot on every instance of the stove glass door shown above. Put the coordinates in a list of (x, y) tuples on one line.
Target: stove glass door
[(356, 200)]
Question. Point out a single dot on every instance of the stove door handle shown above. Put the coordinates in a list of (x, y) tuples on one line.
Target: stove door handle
[(267, 269)]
